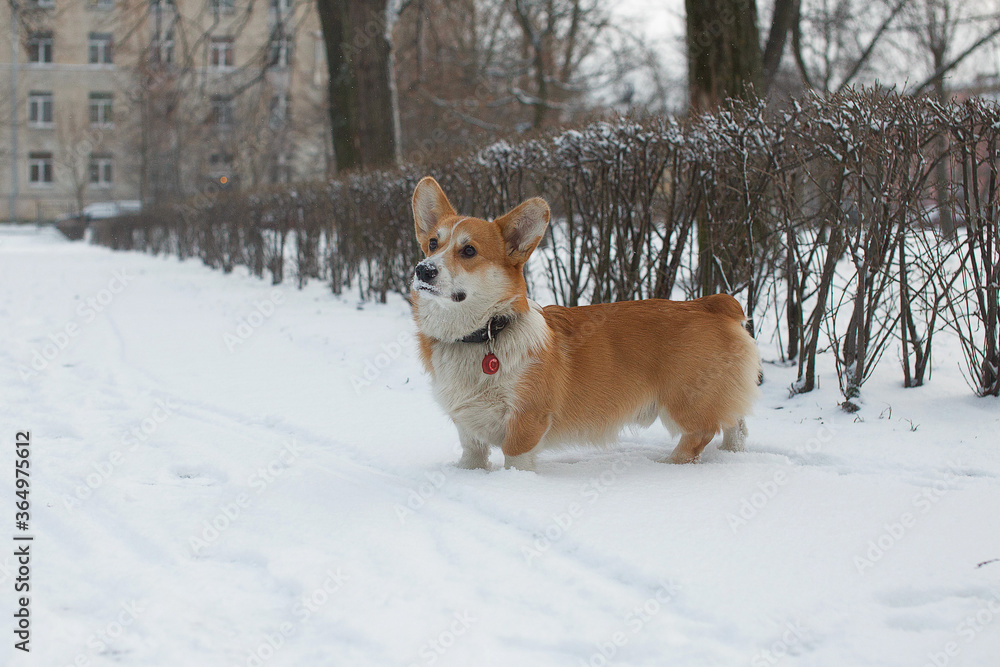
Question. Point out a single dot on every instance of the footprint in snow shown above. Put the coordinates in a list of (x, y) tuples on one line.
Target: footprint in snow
[(200, 475)]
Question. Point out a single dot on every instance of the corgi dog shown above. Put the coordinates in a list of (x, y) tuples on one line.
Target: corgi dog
[(523, 378)]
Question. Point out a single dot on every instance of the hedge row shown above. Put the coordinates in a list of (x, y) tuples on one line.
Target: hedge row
[(849, 223)]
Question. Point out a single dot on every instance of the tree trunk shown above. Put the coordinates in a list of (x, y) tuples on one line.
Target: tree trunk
[(376, 94), (340, 90), (537, 43), (362, 94), (724, 61), (945, 220), (724, 56), (786, 12)]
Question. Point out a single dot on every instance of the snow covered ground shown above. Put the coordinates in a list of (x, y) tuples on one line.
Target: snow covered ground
[(230, 473)]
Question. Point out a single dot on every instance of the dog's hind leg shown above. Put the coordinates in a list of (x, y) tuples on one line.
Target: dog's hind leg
[(734, 439), (690, 447), (475, 453)]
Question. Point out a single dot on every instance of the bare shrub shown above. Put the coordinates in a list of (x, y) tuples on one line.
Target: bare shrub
[(825, 211)]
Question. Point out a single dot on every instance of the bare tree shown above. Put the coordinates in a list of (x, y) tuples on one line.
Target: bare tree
[(473, 70), (940, 28), (834, 42)]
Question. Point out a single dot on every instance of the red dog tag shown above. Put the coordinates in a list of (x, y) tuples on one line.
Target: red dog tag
[(491, 364)]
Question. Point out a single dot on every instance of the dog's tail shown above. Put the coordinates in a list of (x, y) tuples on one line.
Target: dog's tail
[(723, 304)]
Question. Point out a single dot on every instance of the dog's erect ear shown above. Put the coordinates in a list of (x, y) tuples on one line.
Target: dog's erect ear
[(429, 206), (523, 228)]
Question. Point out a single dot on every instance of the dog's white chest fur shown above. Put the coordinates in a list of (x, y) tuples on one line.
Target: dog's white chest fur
[(481, 404)]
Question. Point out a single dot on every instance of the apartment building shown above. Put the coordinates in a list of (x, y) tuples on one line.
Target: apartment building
[(112, 100)]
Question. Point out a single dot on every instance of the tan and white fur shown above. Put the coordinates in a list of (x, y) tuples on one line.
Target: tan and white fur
[(567, 375)]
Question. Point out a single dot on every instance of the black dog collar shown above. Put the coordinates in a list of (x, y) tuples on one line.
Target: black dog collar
[(489, 332)]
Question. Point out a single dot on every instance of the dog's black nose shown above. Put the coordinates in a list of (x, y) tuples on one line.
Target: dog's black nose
[(426, 272)]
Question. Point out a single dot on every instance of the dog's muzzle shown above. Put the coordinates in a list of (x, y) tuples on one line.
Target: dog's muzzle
[(426, 272)]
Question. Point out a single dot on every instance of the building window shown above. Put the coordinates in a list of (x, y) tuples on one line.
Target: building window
[(220, 169), (161, 3), (281, 6), (281, 51), (100, 50), (44, 4), (220, 161), (40, 48), (279, 110), (103, 4), (167, 48), (224, 5), (100, 170), (161, 50), (40, 168), (100, 109), (40, 108), (222, 53), (222, 110)]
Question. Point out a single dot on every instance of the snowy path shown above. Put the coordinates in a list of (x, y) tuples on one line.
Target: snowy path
[(201, 498)]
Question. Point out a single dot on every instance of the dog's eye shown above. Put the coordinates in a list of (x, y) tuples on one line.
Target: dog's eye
[(468, 251), (433, 244)]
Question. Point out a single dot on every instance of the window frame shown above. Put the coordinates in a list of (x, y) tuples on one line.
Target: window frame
[(100, 48), (103, 103), (101, 165), (36, 42), (280, 53), (222, 54), (166, 48), (40, 165), (40, 101)]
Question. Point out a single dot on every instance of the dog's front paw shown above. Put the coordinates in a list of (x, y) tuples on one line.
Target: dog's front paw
[(680, 458), (473, 462), (475, 455), (520, 462)]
